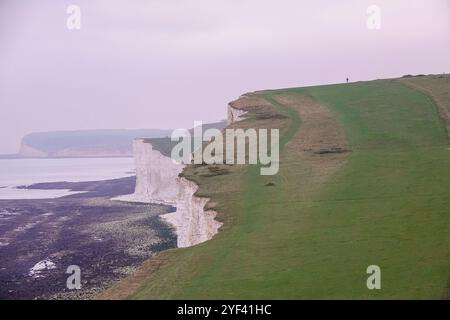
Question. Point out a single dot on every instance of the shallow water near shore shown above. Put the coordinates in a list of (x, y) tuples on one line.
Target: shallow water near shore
[(25, 172)]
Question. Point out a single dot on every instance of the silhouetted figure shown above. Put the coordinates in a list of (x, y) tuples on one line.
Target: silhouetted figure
[(347, 80)]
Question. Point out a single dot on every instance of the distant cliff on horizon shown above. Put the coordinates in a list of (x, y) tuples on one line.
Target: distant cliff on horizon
[(84, 143), (92, 143)]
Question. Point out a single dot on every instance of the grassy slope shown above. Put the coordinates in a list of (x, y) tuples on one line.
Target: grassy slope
[(437, 87), (392, 204), (388, 206)]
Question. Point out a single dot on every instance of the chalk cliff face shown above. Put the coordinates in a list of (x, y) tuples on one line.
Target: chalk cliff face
[(234, 114), (158, 181), (28, 151), (192, 223), (156, 176)]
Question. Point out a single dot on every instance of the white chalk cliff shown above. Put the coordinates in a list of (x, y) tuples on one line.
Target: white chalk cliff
[(234, 114), (193, 224), (156, 176), (30, 152), (158, 181)]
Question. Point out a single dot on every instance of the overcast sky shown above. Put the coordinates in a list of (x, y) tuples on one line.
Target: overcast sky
[(166, 63)]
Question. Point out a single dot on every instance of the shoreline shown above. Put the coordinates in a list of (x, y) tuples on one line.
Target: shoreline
[(108, 239)]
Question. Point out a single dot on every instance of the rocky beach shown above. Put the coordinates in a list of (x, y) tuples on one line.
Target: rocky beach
[(107, 239)]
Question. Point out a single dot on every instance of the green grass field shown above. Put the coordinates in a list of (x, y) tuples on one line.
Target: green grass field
[(312, 235)]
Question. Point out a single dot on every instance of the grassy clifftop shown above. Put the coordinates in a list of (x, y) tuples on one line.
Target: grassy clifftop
[(364, 180)]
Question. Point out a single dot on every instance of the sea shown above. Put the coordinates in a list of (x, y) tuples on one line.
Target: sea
[(16, 173)]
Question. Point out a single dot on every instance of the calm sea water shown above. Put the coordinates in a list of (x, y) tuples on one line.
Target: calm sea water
[(19, 172)]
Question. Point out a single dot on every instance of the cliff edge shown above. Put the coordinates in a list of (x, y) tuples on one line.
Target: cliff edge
[(158, 180)]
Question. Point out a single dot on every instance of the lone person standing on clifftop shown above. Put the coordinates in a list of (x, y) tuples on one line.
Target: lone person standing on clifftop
[(347, 80)]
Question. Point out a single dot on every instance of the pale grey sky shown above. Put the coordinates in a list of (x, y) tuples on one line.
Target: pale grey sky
[(166, 63)]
